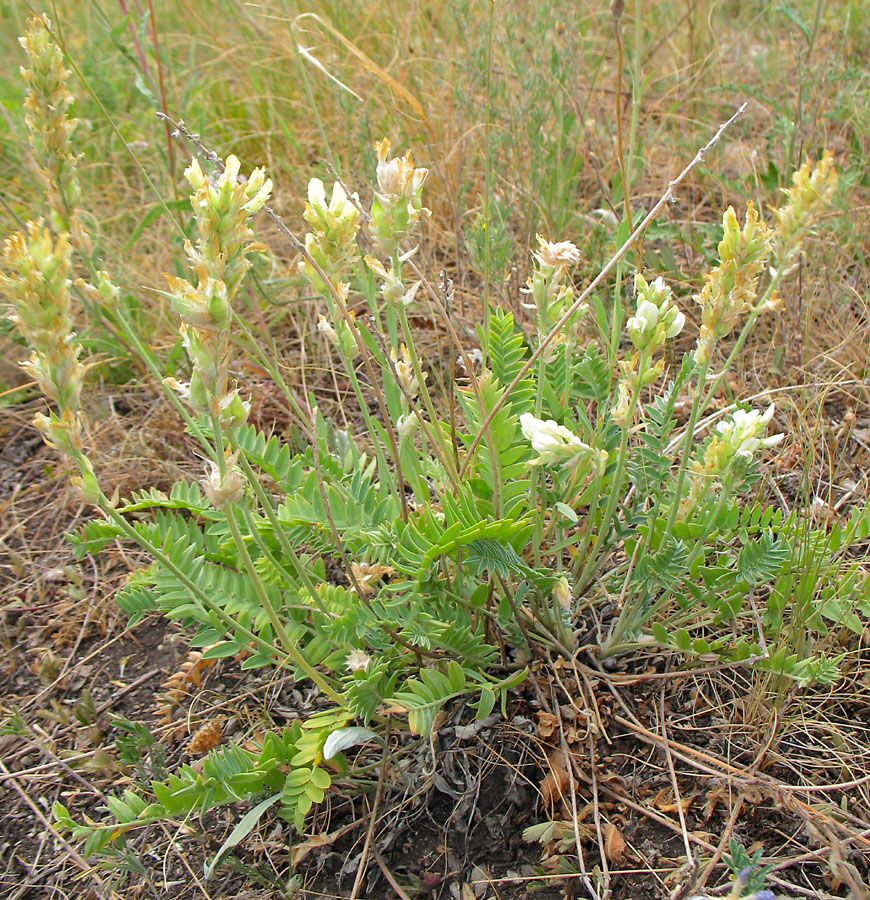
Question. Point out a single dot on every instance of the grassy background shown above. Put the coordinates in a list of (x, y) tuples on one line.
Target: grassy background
[(513, 103), (529, 116)]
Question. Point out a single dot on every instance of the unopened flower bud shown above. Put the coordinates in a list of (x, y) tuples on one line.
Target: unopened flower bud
[(406, 424), (657, 318), (562, 593)]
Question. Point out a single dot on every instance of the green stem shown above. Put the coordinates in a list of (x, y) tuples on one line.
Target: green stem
[(688, 444), (286, 642), (593, 562), (148, 358), (383, 465), (217, 431), (272, 515), (273, 369), (738, 344), (747, 327), (538, 474), (444, 454), (628, 620)]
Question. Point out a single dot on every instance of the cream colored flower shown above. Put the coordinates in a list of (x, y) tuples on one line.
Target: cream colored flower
[(357, 660), (812, 188), (552, 442), (227, 489), (561, 255), (397, 177), (405, 374), (731, 288), (743, 432), (324, 326)]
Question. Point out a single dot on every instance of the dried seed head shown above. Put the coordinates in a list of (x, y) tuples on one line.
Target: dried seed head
[(560, 255), (367, 575), (357, 660), (206, 737)]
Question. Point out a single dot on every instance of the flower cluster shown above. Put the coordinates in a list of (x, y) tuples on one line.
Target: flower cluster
[(222, 208), (812, 187), (555, 443), (332, 243), (397, 205), (37, 287), (46, 107), (657, 318), (731, 449), (220, 259), (740, 436), (731, 288), (549, 287)]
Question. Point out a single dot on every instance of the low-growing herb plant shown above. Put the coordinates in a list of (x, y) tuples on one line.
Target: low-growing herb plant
[(470, 529)]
